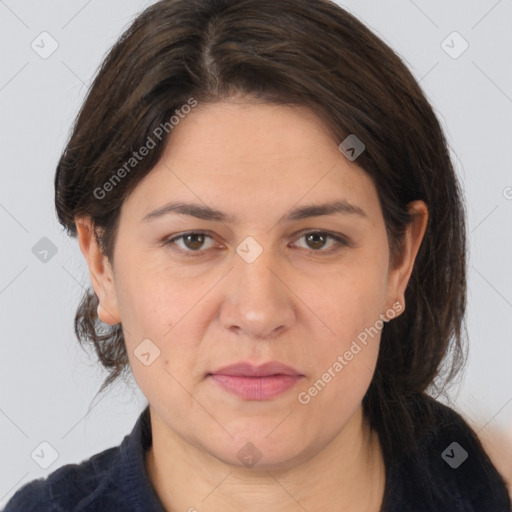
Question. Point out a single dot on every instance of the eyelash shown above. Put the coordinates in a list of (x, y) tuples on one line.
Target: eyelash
[(341, 242)]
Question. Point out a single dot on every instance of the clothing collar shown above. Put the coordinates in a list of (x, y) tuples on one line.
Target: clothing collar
[(135, 482)]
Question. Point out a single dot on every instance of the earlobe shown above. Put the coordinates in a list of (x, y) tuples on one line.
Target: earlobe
[(105, 316), (100, 272), (413, 237), (394, 311)]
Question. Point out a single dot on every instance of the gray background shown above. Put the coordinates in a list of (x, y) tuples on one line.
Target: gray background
[(48, 382)]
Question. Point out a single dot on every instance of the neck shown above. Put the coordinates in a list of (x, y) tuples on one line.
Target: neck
[(348, 475)]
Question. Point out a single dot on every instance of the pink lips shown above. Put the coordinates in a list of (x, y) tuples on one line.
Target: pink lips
[(256, 382)]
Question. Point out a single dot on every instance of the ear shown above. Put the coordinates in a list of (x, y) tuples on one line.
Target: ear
[(401, 271), (100, 270)]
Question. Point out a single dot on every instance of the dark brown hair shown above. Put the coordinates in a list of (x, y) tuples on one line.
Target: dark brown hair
[(310, 53)]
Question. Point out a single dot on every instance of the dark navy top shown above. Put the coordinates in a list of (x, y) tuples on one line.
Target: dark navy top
[(449, 473)]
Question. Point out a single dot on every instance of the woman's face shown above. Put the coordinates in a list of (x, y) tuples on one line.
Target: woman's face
[(255, 287)]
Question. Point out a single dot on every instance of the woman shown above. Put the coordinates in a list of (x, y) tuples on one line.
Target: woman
[(276, 237)]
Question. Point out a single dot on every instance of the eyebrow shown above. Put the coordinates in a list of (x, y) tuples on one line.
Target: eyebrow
[(206, 213)]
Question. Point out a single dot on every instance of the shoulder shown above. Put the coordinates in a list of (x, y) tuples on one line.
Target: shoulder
[(449, 469), (69, 488), (31, 497)]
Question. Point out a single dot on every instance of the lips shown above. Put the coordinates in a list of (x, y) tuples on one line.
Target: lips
[(251, 382), (265, 370)]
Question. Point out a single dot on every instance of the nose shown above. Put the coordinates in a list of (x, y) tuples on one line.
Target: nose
[(259, 302)]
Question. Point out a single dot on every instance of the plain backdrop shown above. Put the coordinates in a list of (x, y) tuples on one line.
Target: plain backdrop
[(47, 380)]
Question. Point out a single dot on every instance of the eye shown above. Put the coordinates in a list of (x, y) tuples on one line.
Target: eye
[(193, 242), (318, 239)]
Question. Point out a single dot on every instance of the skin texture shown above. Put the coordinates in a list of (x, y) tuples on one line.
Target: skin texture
[(295, 303)]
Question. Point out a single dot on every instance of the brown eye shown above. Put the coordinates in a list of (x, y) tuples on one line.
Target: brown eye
[(317, 240), (191, 243)]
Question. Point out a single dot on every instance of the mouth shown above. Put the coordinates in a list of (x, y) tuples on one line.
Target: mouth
[(256, 382), (246, 369)]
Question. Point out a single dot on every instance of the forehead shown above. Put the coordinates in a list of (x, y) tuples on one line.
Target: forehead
[(234, 156), (239, 130)]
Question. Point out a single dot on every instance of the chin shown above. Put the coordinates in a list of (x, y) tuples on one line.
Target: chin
[(260, 453)]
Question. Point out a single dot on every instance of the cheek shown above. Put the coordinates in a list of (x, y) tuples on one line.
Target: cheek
[(159, 315), (350, 305), (342, 376), (152, 299)]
